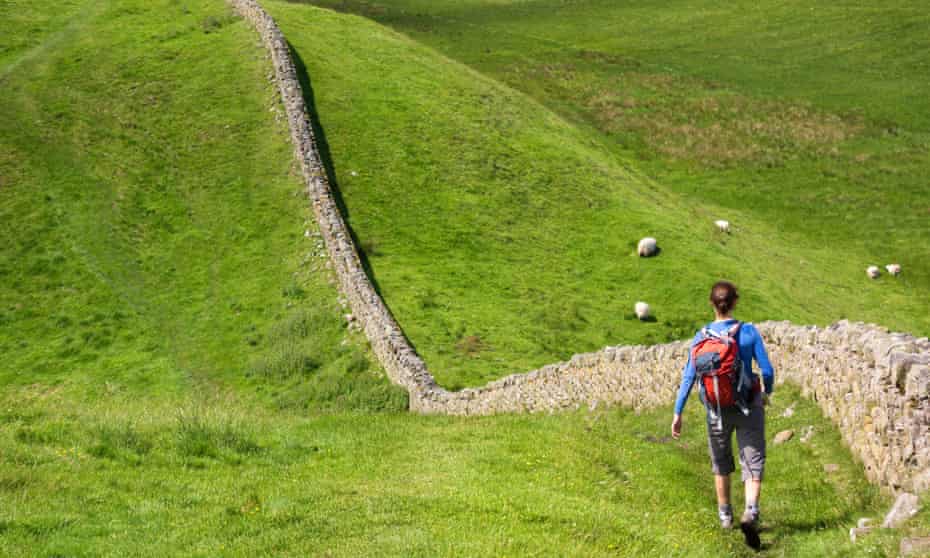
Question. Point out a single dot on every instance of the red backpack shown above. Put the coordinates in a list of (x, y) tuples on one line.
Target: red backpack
[(720, 371)]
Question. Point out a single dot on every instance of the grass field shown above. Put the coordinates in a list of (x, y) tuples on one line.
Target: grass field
[(210, 476), (501, 225), (177, 376), (153, 224), (661, 118)]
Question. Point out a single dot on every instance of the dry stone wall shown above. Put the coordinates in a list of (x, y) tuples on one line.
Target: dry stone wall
[(873, 384), (398, 358)]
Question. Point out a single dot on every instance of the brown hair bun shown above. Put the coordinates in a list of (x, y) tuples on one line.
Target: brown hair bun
[(723, 296)]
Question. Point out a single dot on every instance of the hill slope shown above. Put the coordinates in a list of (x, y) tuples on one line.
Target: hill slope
[(171, 387), (811, 115), (131, 205), (503, 236)]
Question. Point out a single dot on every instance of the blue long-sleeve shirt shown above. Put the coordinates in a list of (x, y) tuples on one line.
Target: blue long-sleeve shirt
[(750, 347)]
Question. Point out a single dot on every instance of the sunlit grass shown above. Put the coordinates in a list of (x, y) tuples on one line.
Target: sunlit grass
[(178, 378)]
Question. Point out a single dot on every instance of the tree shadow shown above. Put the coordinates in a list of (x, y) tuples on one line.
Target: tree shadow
[(326, 159)]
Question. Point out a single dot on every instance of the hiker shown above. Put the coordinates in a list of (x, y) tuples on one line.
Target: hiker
[(734, 399)]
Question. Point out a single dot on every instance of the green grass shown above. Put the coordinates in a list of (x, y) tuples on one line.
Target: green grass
[(31, 33), (177, 375), (153, 223), (217, 478), (502, 233)]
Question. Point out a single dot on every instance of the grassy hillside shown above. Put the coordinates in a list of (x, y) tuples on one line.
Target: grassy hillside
[(502, 234), (178, 381), (811, 115), (152, 224)]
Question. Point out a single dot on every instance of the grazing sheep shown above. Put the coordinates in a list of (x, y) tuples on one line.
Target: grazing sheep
[(724, 226), (647, 247), (893, 269), (642, 310), (872, 271)]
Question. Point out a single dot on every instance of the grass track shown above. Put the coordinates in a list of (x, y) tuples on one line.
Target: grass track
[(208, 476)]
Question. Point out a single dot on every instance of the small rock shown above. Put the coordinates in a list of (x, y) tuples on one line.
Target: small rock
[(642, 310), (724, 226), (872, 271), (905, 507), (789, 412), (783, 437), (808, 433), (830, 467), (915, 545)]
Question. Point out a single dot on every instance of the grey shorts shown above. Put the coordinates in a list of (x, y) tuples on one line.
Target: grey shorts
[(750, 437)]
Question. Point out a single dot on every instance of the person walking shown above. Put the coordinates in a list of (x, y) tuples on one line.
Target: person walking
[(720, 360)]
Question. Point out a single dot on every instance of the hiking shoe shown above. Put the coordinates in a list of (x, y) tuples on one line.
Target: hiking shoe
[(726, 521), (749, 525)]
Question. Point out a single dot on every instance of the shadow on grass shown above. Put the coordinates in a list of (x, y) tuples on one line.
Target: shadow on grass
[(326, 159), (329, 168)]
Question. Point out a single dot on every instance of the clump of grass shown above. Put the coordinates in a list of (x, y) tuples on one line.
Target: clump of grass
[(197, 437), (348, 384), (298, 325), (289, 354), (293, 291), (43, 434), (309, 364), (212, 23), (285, 360), (120, 442), (470, 345), (250, 506), (428, 299)]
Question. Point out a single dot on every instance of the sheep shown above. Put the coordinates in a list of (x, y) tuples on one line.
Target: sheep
[(893, 269), (643, 312), (724, 226), (872, 271), (647, 247)]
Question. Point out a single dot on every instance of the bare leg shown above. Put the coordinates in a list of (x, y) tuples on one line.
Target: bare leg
[(753, 488), (722, 483), (749, 523)]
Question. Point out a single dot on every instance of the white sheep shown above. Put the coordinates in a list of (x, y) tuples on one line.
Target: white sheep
[(647, 247), (724, 226), (893, 269), (642, 310), (872, 271)]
